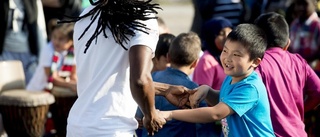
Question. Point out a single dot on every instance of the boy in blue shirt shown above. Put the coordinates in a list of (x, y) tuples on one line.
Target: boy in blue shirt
[(243, 105)]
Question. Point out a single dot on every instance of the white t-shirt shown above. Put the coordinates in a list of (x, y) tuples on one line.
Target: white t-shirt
[(105, 106)]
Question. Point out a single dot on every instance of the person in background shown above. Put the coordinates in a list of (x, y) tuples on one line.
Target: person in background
[(242, 104), (56, 68), (22, 33), (160, 61), (209, 70), (57, 65), (305, 32)]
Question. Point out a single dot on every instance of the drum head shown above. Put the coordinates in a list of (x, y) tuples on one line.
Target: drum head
[(25, 98)]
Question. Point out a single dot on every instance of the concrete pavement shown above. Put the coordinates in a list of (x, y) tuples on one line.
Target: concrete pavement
[(178, 16)]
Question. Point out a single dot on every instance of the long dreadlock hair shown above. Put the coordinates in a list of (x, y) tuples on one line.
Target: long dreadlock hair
[(120, 16)]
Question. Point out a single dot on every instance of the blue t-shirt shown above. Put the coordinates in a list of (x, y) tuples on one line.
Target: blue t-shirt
[(248, 99), (175, 128)]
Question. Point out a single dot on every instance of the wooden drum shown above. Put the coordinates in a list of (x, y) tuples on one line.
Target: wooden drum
[(64, 99), (24, 113)]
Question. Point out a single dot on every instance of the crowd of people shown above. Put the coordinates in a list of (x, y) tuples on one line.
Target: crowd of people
[(246, 68)]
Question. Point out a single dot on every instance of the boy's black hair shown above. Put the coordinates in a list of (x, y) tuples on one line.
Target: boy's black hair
[(251, 37), (163, 44), (120, 16), (185, 49), (275, 27)]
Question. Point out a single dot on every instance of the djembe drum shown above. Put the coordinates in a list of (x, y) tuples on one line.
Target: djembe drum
[(64, 99), (24, 113)]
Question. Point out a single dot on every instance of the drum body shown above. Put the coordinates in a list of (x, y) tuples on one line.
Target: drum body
[(64, 99), (24, 113)]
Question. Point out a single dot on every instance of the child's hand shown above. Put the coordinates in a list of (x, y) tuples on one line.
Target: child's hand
[(72, 85), (198, 95), (73, 88), (167, 115)]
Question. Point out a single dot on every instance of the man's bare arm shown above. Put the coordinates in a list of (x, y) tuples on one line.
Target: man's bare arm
[(175, 94), (141, 85)]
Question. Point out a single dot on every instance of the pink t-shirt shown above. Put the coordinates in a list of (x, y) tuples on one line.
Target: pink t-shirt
[(287, 78), (209, 72)]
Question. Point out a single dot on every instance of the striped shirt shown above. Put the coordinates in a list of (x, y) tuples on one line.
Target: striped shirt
[(230, 9)]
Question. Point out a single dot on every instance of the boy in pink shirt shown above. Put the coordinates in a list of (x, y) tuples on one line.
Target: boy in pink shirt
[(293, 87)]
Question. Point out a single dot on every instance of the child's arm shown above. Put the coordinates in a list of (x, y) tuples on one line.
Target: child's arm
[(199, 115), (58, 81), (73, 76)]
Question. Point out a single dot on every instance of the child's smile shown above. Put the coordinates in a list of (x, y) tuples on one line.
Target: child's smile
[(228, 67), (236, 61)]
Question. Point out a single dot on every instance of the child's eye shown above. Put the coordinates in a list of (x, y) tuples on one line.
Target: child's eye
[(224, 51), (236, 55)]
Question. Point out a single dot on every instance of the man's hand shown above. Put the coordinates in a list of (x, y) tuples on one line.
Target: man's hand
[(140, 123), (197, 95), (178, 96), (153, 124)]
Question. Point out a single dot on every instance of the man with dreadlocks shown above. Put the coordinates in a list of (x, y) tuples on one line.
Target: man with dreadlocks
[(114, 41)]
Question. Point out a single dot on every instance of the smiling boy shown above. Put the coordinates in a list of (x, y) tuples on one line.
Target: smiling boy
[(243, 103)]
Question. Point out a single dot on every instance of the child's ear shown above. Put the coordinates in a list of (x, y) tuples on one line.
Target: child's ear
[(256, 62), (168, 58), (154, 59), (287, 46), (194, 63)]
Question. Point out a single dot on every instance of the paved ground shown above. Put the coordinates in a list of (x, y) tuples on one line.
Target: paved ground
[(177, 15)]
